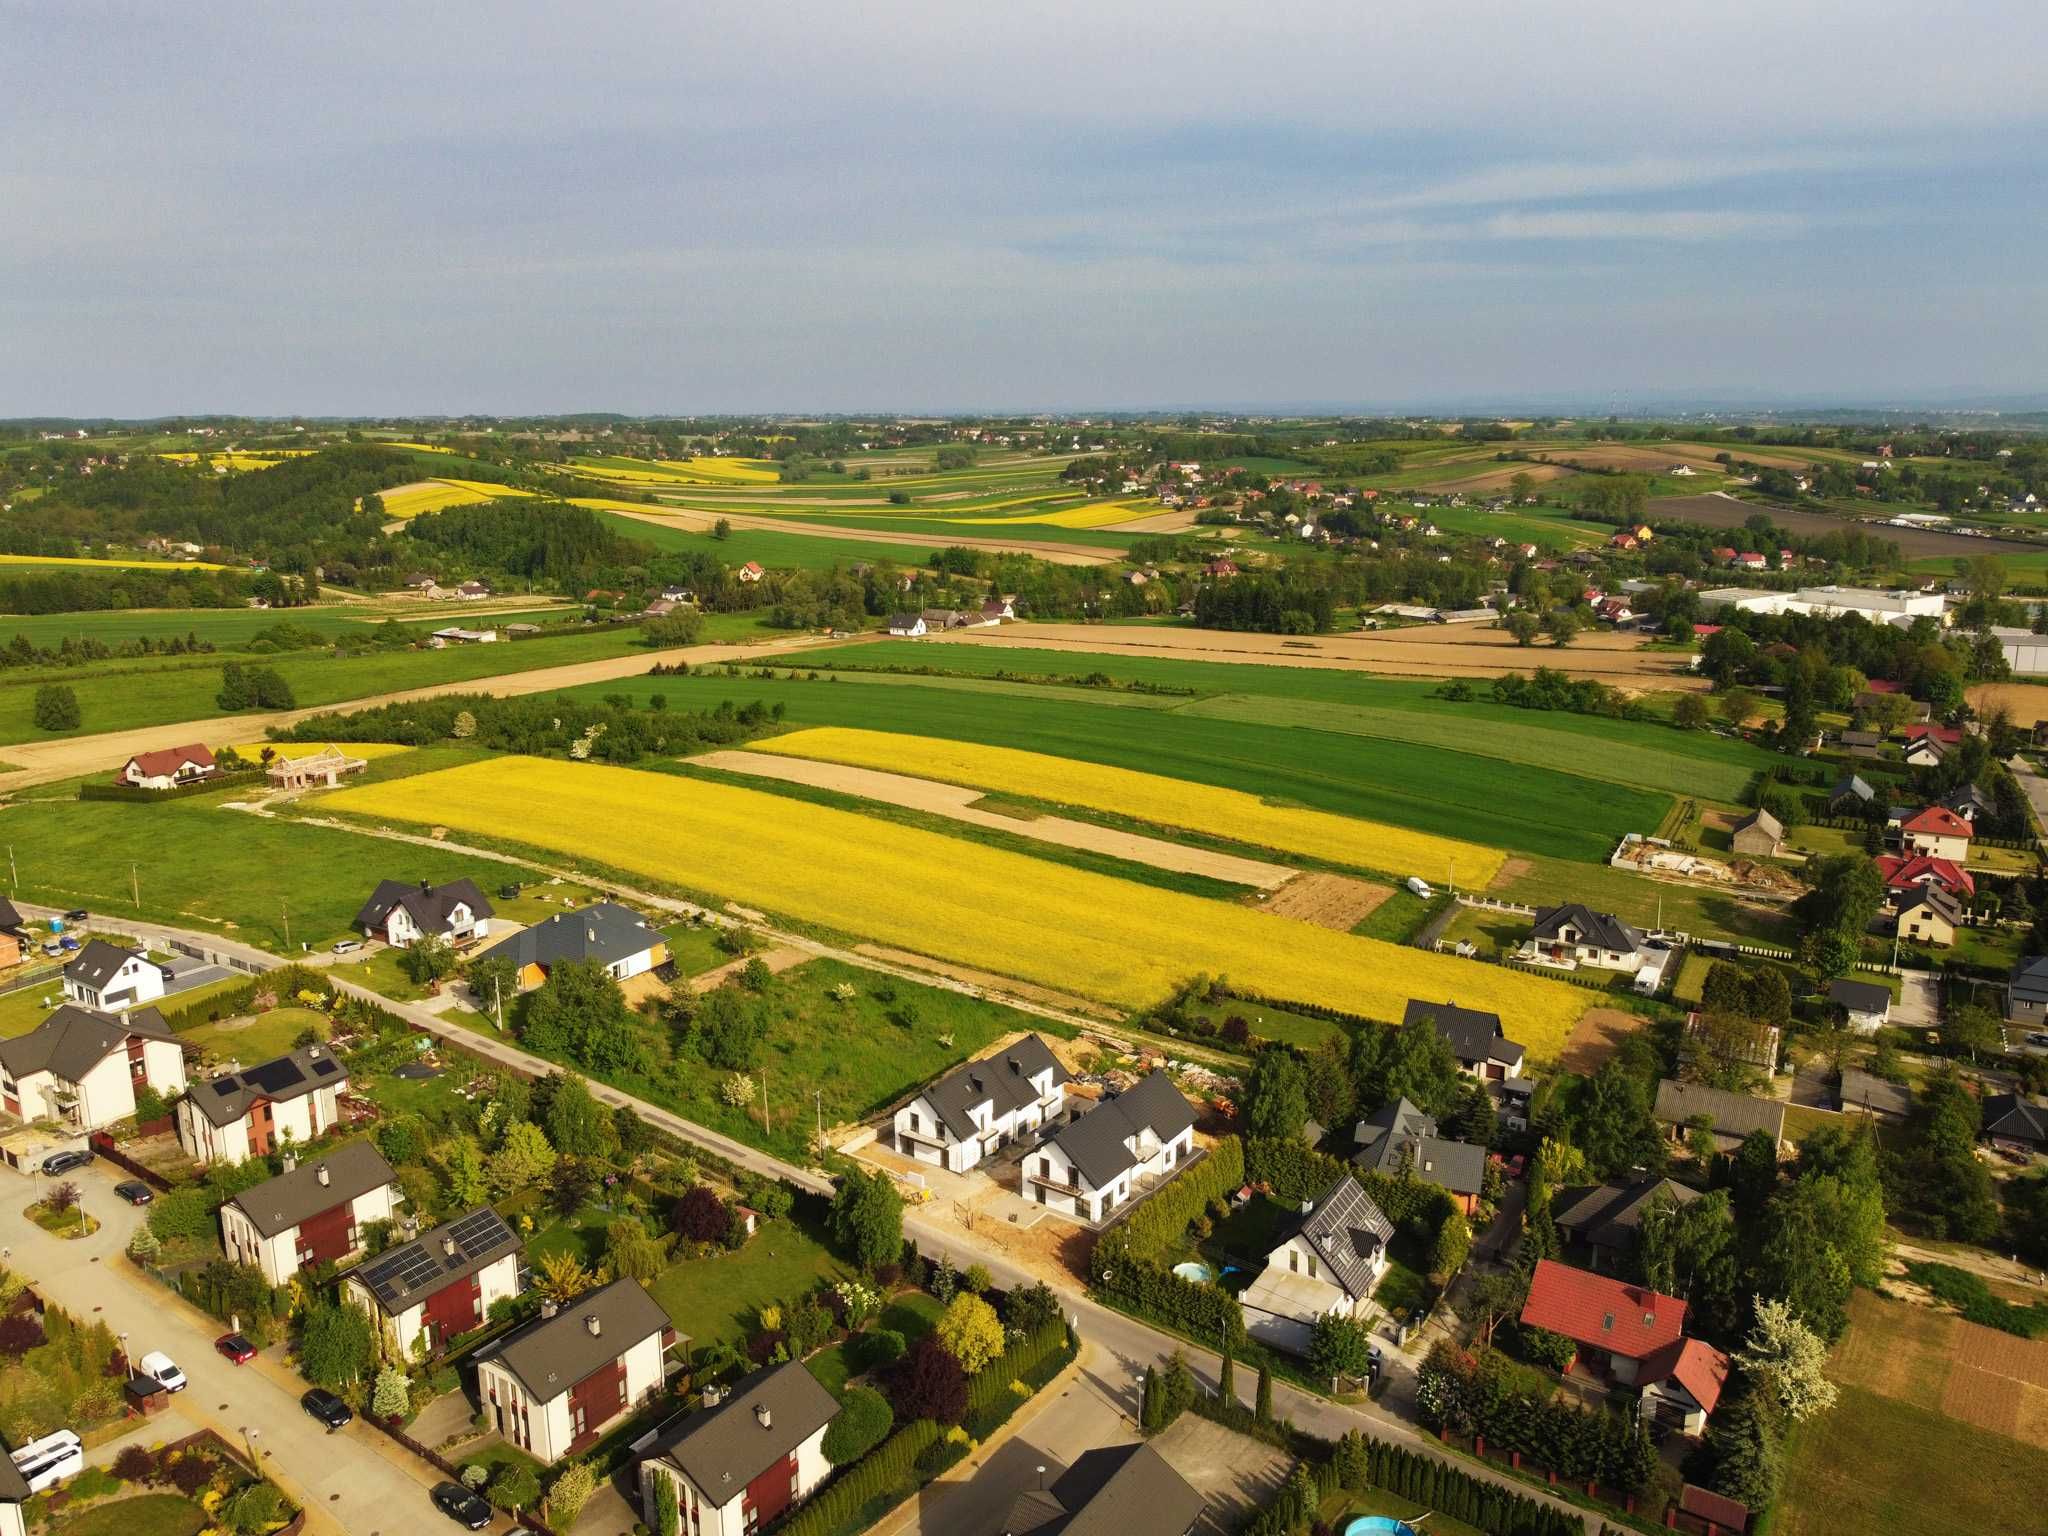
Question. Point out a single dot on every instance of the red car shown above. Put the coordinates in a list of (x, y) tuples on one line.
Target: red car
[(236, 1348)]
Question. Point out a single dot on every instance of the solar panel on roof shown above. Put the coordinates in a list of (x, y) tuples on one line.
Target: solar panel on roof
[(324, 1068)]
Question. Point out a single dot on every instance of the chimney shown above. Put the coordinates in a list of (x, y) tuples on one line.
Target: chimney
[(448, 1246), (312, 1053), (323, 1175), (424, 887), (763, 1417), (593, 1323)]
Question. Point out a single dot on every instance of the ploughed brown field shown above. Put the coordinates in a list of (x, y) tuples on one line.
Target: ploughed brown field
[(1915, 543)]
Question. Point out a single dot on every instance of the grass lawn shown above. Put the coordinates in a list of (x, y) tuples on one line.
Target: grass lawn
[(149, 1514), (502, 1454), (1270, 1023), (1396, 919), (1401, 1289), (1638, 899), (717, 1297), (381, 971), (259, 1039), (694, 948), (1246, 1235)]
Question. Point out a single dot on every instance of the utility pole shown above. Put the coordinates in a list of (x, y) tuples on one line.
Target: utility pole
[(819, 1095), (284, 911), (12, 877), (764, 1101), (498, 1002), (135, 885)]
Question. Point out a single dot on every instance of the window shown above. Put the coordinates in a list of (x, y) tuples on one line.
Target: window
[(1293, 1261), (1312, 1266)]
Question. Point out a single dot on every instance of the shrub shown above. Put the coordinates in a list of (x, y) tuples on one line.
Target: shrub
[(571, 1491), (927, 1383), (864, 1419), (701, 1217), (134, 1465), (516, 1486), (56, 708), (19, 1334), (392, 1398), (254, 1509), (971, 1332), (879, 1347), (189, 1473)]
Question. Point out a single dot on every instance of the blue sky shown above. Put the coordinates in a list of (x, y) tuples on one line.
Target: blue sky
[(913, 206)]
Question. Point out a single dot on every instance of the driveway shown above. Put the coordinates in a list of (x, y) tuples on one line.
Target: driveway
[(356, 1481), (1919, 1004)]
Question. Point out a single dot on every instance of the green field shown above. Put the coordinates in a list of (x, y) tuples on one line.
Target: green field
[(773, 549)]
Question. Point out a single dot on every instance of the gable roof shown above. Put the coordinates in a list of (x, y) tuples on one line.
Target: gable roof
[(73, 1040), (228, 1097), (1603, 1313), (1859, 739), (1860, 996), (402, 1277), (280, 1204), (1968, 801), (605, 932), (1002, 1078), (427, 905), (1733, 1114), (1936, 899), (94, 966), (1602, 929), (1851, 784), (1861, 1090), (727, 1448), (1939, 821), (1474, 1034), (168, 760), (2010, 1116), (551, 1354), (2029, 980), (1347, 1231), (1764, 821), (1918, 869), (1399, 1138), (1095, 1142), (1610, 1214), (1143, 1497), (1695, 1365)]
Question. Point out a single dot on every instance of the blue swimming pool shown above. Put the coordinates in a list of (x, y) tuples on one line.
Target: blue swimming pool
[(1193, 1270), (1379, 1525)]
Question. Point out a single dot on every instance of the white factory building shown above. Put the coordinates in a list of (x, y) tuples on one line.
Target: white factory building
[(1901, 607)]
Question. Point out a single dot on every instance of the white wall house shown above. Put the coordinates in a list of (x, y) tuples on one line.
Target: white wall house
[(402, 914), (1572, 935), (1475, 1037), (438, 1286), (1329, 1262), (736, 1468), (291, 1101), (82, 1068), (1101, 1159), (983, 1105), (312, 1213), (108, 978), (167, 768), (615, 937), (553, 1387)]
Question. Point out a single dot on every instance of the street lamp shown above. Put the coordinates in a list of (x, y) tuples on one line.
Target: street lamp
[(127, 1364)]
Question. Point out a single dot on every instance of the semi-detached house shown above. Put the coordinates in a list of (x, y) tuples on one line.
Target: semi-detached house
[(441, 1284), (1102, 1158), (82, 1068), (983, 1105), (293, 1100), (736, 1468), (312, 1213), (554, 1386)]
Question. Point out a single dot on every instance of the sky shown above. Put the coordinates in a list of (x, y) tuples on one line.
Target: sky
[(903, 205)]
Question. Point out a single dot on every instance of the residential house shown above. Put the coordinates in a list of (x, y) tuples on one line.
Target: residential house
[(292, 1100), (1861, 744), (939, 620), (1851, 796), (1939, 833), (907, 626), (737, 1467), (1866, 1005), (1926, 751), (473, 591), (615, 937), (1101, 1158), (312, 1213), (2012, 1121), (1142, 1496), (168, 767), (15, 943), (440, 1285), (1970, 803), (328, 766), (1634, 1335), (1682, 1385), (999, 608), (1730, 1116), (108, 978), (402, 914), (1475, 1037), (1573, 935), (1327, 1259), (1861, 1093), (1397, 1138), (1931, 916), (2026, 991), (1759, 834), (982, 1105), (14, 1496), (1606, 1217), (749, 573), (1904, 875), (554, 1386), (83, 1068)]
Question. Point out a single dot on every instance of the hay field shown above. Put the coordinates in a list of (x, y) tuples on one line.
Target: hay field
[(1149, 797), (957, 901)]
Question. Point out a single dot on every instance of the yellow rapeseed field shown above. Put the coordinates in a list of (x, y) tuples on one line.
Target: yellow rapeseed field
[(1149, 797), (1096, 514), (490, 490), (111, 565), (946, 897), (237, 460), (681, 472), (427, 496)]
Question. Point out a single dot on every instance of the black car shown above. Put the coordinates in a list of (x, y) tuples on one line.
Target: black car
[(462, 1506), (64, 1162), (76, 915), (135, 1192), (327, 1408)]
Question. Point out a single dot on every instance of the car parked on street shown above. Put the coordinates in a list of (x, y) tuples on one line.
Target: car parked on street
[(235, 1347), (327, 1408), (163, 1370), (347, 946), (135, 1192), (466, 1509), (76, 915)]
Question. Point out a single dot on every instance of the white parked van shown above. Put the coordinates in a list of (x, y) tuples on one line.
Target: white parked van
[(1420, 887)]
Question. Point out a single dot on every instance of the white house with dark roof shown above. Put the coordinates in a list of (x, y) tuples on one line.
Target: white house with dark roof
[(1100, 1159), (14, 1494), (1397, 1138), (82, 1068), (401, 914), (1475, 1038), (290, 1101), (1573, 935), (312, 1213), (983, 1105), (108, 978), (2026, 991), (738, 1467), (615, 937), (554, 1386), (441, 1284), (1328, 1260)]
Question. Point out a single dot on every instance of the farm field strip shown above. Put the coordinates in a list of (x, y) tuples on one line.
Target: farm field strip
[(408, 501), (1154, 798), (1095, 514), (957, 901), (93, 563)]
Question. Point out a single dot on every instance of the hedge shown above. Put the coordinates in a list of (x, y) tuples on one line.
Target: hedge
[(880, 1480), (990, 1398), (1361, 1462), (177, 792), (1469, 1394), (1295, 1171), (1127, 1263), (1158, 1222)]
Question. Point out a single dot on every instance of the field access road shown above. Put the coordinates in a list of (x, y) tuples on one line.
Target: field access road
[(38, 762), (354, 1482)]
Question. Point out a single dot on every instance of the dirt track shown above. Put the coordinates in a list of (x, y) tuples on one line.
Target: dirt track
[(1053, 552), (1438, 650), (37, 762), (958, 804)]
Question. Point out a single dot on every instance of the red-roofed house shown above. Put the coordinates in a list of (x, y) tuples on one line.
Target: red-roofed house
[(1939, 833), (1725, 554), (1682, 1385), (1701, 631), (750, 572), (1617, 1326), (1624, 541), (1751, 560), (167, 768), (1883, 685), (1908, 874), (1220, 568)]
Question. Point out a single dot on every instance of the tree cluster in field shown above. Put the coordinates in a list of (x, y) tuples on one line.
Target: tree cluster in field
[(614, 730), (253, 687), (1550, 689), (83, 650), (98, 591)]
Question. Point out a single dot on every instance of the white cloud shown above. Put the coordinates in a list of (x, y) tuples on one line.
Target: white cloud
[(1672, 224)]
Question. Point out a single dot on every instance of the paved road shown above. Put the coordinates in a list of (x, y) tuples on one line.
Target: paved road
[(355, 1481), (2036, 788)]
